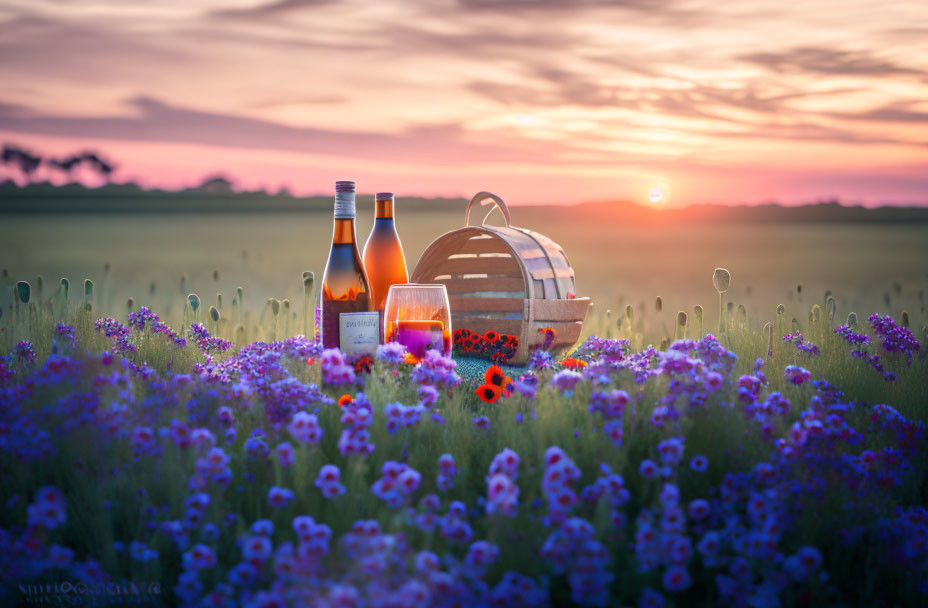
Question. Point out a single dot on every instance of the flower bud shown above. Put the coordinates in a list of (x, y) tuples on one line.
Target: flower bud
[(721, 278)]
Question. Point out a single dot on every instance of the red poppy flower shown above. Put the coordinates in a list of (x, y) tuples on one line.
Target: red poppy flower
[(309, 360), (573, 363), (494, 375), (458, 335), (364, 364), (570, 295), (491, 336), (488, 392), (345, 400)]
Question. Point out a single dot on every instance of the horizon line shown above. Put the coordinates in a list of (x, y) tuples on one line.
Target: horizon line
[(285, 192)]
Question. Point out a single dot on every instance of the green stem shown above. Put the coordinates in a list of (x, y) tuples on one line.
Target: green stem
[(721, 314)]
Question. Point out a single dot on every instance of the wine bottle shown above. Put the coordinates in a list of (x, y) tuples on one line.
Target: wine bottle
[(347, 320), (383, 254)]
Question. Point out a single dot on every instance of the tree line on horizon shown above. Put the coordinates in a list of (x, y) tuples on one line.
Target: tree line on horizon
[(27, 163)]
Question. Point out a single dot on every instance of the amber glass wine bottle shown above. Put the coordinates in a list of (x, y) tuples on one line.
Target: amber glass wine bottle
[(346, 293), (383, 253)]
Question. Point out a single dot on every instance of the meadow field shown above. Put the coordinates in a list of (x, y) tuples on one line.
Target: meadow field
[(662, 463), (876, 266)]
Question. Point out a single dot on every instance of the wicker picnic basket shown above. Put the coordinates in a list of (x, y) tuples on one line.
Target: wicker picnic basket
[(506, 280)]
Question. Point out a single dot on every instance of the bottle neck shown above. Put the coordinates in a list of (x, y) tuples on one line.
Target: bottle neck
[(344, 204), (383, 210), (344, 231)]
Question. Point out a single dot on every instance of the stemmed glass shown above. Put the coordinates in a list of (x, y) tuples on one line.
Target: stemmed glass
[(418, 317)]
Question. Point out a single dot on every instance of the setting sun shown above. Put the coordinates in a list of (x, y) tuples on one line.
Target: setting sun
[(656, 195)]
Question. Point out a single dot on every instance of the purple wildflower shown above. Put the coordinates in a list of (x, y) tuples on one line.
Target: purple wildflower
[(894, 338), (279, 497), (393, 353), (797, 375), (699, 463), (329, 481), (565, 381), (25, 353), (204, 341)]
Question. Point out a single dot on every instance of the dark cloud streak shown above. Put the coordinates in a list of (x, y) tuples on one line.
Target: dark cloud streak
[(158, 122), (891, 114), (828, 61), (277, 8)]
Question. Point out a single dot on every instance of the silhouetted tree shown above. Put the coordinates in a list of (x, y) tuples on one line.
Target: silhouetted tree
[(67, 164), (102, 167), (26, 162)]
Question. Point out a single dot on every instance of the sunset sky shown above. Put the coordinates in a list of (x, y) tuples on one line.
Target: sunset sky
[(539, 101)]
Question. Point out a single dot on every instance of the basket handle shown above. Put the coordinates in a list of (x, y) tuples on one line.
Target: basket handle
[(485, 198)]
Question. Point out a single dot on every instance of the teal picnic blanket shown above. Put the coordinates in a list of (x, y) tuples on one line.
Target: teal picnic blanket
[(472, 369)]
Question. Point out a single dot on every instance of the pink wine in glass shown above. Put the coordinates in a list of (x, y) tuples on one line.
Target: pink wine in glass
[(420, 336)]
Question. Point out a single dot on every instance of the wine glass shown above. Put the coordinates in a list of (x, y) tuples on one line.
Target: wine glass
[(418, 317)]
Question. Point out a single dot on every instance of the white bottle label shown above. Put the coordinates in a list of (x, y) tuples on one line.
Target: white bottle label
[(359, 332)]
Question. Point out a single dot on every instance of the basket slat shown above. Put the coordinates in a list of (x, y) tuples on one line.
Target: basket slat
[(494, 245), (506, 284), (495, 266), (561, 310), (465, 305)]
